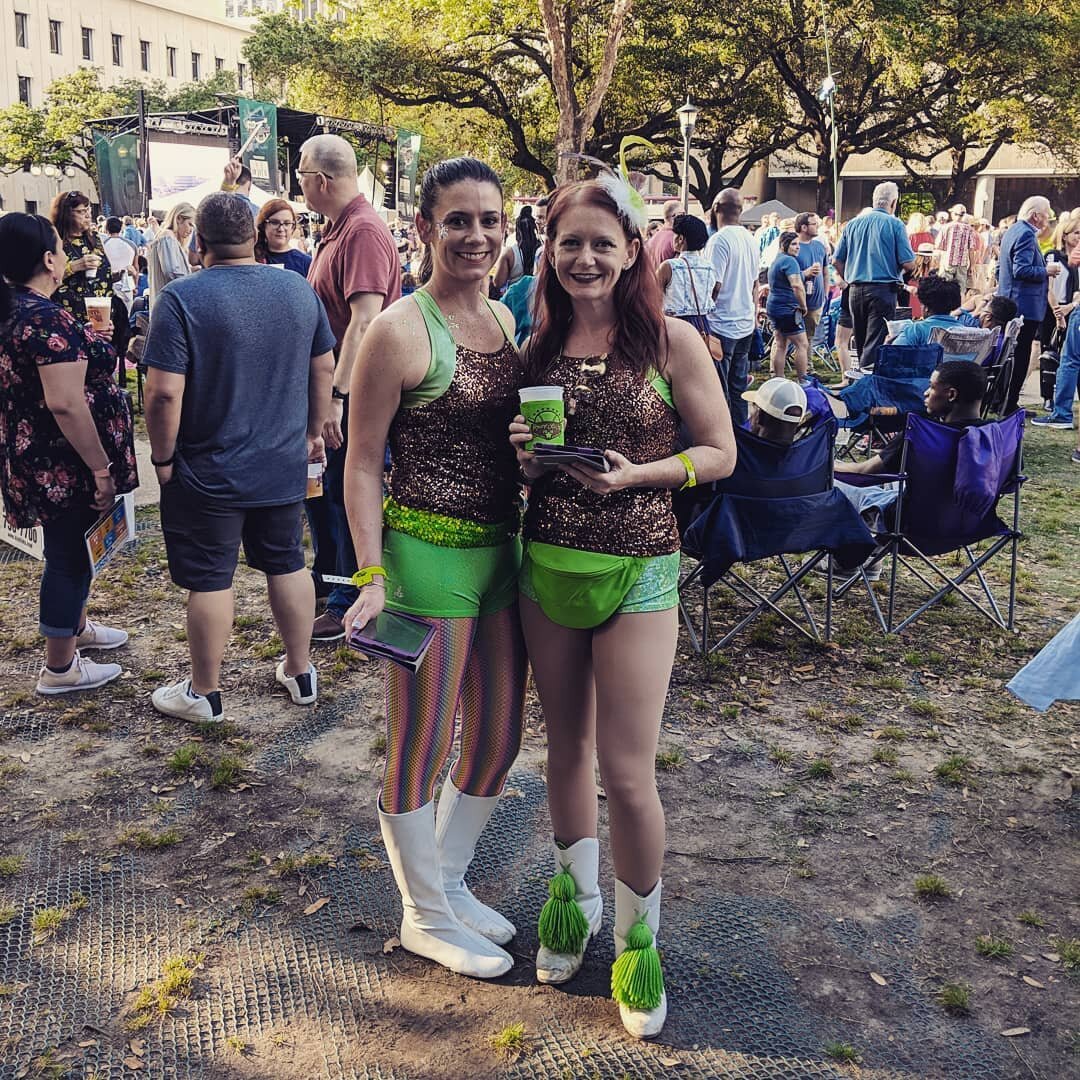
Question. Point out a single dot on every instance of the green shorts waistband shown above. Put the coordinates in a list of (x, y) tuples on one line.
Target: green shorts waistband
[(445, 531)]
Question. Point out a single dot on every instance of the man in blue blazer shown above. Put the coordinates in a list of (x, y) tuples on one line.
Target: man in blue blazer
[(1022, 274)]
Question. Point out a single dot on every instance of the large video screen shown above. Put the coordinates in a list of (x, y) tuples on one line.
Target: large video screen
[(179, 163)]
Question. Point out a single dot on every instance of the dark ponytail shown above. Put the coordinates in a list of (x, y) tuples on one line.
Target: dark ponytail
[(24, 240), (528, 241), (443, 174)]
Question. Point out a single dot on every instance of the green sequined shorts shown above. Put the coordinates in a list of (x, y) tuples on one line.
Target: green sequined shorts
[(449, 583), (657, 589)]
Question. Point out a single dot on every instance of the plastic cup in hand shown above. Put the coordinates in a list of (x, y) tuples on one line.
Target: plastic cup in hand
[(99, 312), (545, 413)]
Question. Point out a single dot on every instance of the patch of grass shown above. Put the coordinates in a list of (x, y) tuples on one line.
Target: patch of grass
[(671, 759), (9, 769), (993, 948), (46, 921), (814, 712), (213, 732), (922, 707), (269, 650), (873, 663), (930, 886), (148, 840), (226, 771), (903, 776), (913, 659), (245, 622), (236, 1044), (780, 757), (843, 1052), (892, 733), (184, 758), (254, 858), (73, 837), (888, 682), (257, 895), (7, 914), (884, 755), (297, 864), (954, 770), (955, 998), (81, 749), (1069, 950), (820, 769), (161, 997), (1031, 918), (10, 865), (511, 1042), (378, 745)]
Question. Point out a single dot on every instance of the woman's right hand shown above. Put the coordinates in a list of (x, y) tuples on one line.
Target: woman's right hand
[(369, 604), (520, 434), (104, 493)]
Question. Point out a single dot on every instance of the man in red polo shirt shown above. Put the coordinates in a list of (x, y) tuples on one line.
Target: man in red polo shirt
[(356, 273)]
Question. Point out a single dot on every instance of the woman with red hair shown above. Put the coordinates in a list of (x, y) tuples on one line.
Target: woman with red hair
[(599, 580)]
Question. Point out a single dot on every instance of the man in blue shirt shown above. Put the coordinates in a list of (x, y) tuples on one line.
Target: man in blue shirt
[(940, 297), (873, 252), (811, 257)]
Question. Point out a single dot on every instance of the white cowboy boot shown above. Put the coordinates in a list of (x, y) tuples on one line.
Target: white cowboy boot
[(428, 926), (637, 983), (459, 821), (573, 912)]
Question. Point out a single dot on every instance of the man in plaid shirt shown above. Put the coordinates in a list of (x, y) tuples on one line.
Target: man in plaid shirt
[(959, 246)]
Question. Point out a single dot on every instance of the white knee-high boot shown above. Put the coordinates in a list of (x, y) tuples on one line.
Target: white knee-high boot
[(428, 925), (459, 821), (573, 912), (637, 983)]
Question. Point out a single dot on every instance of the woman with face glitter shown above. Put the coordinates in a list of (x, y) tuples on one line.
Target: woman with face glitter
[(438, 375), (599, 579)]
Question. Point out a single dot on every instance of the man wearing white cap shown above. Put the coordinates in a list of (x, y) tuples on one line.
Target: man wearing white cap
[(780, 407), (958, 246)]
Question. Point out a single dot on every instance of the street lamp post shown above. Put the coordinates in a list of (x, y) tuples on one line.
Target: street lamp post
[(688, 115)]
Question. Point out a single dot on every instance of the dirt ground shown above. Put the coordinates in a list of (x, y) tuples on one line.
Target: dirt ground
[(849, 783)]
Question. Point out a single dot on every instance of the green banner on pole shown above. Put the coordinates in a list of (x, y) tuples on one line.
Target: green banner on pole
[(258, 142), (408, 161), (117, 174)]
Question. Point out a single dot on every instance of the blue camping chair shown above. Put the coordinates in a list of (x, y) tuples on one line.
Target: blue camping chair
[(779, 501), (878, 403), (824, 343), (949, 486)]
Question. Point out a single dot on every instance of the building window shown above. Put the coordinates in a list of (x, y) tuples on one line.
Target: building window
[(54, 37), (219, 64), (170, 60), (24, 89), (20, 30), (117, 50), (87, 43), (144, 55), (31, 206), (241, 75), (196, 66)]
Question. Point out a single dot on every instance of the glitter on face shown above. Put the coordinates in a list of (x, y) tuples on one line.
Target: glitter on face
[(621, 412), (444, 232)]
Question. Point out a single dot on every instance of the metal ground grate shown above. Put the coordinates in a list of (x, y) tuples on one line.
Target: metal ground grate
[(733, 999)]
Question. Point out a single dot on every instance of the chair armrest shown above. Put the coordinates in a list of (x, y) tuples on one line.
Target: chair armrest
[(867, 479)]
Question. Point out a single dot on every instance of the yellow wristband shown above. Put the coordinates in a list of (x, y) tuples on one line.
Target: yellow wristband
[(691, 476), (366, 574)]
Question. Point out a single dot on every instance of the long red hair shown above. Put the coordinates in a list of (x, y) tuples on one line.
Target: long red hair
[(640, 333)]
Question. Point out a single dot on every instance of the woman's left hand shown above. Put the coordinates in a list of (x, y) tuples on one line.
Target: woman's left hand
[(623, 474)]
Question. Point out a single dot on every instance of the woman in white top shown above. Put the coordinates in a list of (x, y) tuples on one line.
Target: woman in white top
[(166, 258), (689, 280)]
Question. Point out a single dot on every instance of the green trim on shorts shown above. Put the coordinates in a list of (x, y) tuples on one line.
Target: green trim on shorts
[(449, 583), (656, 589)]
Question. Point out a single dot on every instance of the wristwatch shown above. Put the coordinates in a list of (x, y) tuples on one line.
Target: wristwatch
[(337, 395)]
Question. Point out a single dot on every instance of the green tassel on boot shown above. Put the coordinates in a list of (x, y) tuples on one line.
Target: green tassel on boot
[(563, 927), (636, 978)]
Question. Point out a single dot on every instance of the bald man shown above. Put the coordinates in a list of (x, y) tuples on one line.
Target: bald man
[(1022, 274), (357, 273)]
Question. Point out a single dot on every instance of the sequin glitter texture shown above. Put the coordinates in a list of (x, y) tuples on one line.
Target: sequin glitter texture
[(624, 413), (452, 456)]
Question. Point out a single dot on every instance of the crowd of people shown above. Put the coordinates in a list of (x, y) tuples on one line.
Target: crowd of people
[(388, 366)]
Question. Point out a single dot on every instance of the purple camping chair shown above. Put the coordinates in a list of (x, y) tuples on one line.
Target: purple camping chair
[(950, 483)]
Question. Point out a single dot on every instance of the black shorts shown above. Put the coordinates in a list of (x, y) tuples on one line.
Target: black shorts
[(788, 324), (203, 538), (845, 311)]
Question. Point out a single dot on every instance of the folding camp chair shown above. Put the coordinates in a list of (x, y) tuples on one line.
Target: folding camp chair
[(878, 403), (974, 343), (949, 485), (779, 501), (999, 370)]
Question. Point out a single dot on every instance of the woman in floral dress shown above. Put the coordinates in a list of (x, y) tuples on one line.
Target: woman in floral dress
[(66, 443)]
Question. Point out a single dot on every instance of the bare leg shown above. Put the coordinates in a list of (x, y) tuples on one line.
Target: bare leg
[(801, 343), (633, 655), (563, 669), (292, 600), (59, 652), (843, 340), (209, 624), (778, 355)]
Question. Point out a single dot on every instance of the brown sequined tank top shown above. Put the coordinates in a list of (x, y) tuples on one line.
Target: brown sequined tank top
[(452, 455), (622, 412)]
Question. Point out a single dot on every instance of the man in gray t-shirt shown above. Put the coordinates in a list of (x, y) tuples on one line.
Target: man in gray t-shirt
[(240, 360)]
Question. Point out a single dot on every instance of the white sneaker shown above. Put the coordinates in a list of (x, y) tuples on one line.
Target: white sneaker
[(82, 675), (96, 636), (181, 701), (303, 688)]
